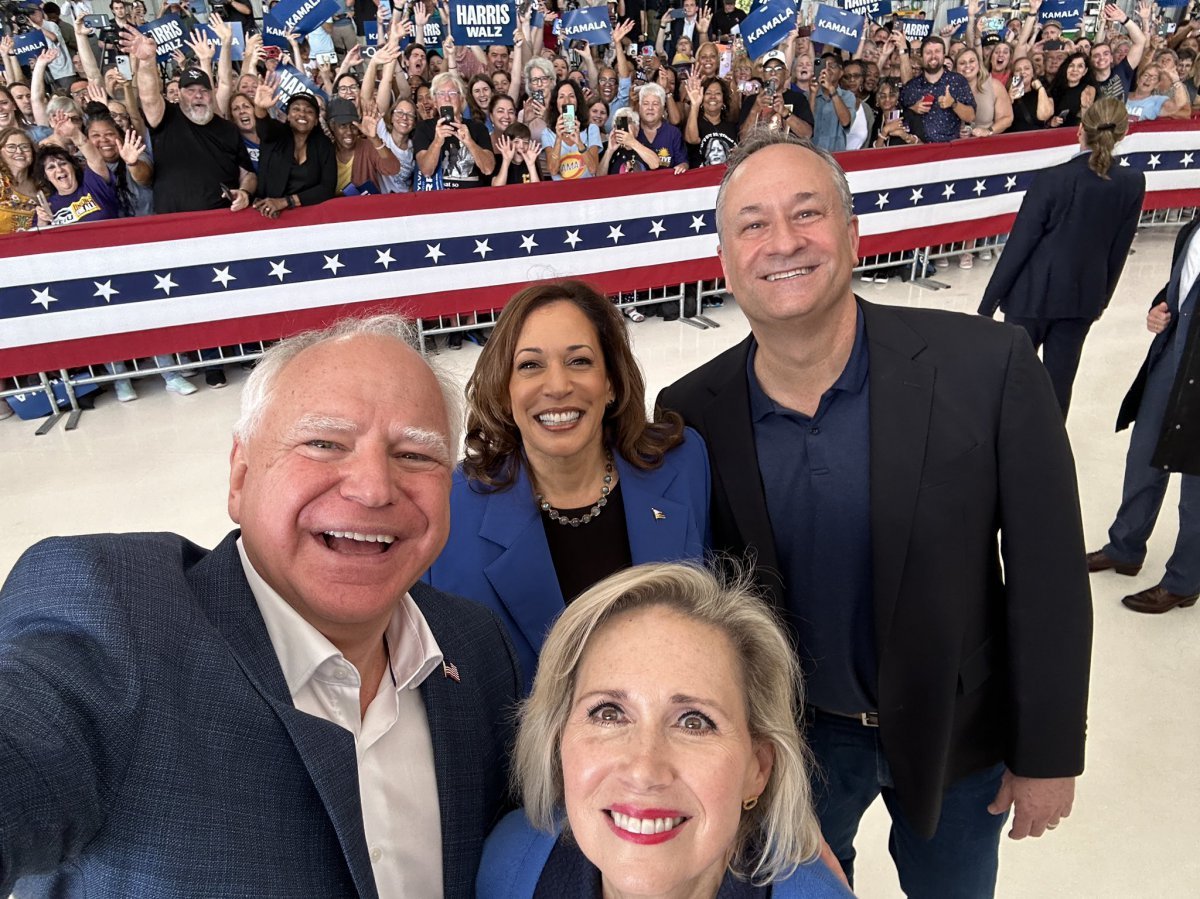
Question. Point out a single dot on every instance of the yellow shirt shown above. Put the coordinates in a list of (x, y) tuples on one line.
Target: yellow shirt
[(343, 169)]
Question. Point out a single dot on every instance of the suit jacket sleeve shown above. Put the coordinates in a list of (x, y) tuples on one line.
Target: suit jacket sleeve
[(1129, 217), (1048, 599), (1027, 232), (69, 700)]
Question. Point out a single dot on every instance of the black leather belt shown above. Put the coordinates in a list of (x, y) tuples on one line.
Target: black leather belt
[(866, 719)]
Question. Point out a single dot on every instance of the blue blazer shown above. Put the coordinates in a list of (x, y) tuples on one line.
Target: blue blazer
[(149, 745), (516, 853), (497, 554), (1069, 243)]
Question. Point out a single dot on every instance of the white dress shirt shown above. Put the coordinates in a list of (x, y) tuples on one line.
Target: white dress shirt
[(1191, 266), (397, 783)]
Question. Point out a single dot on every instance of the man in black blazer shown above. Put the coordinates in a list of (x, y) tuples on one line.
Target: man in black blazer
[(868, 457), (1164, 405), (290, 714)]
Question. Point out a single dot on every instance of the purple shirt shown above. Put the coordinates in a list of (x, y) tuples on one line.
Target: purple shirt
[(668, 144)]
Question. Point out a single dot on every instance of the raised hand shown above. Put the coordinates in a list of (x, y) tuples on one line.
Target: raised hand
[(369, 123), (695, 93), (266, 95), (6, 46), (1034, 6), (96, 94), (1144, 9), (705, 19), (1112, 12), (132, 147), (387, 53), (202, 48), (221, 29), (47, 56), (137, 45), (504, 146), (65, 127), (621, 32)]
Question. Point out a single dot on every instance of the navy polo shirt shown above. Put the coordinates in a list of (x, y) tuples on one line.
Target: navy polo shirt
[(816, 477)]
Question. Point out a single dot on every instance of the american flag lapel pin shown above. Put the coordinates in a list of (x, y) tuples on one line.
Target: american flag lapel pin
[(659, 516), (450, 670)]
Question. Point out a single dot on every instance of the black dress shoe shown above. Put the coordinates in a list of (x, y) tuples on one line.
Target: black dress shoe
[(1157, 600), (1098, 561)]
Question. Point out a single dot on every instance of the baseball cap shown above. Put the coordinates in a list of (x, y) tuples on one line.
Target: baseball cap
[(775, 56), (304, 96), (194, 76), (341, 112)]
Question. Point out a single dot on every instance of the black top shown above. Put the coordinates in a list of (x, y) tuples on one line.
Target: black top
[(569, 875), (279, 175), (892, 140), (585, 555), (457, 165), (192, 161), (798, 100), (1025, 113), (518, 172), (1067, 103), (716, 143)]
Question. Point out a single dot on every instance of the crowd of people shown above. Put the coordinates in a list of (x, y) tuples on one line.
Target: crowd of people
[(402, 641), (97, 128)]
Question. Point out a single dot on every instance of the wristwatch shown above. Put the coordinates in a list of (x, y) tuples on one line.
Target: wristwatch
[(290, 202)]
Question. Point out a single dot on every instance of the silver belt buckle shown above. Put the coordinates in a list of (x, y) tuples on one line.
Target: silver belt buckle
[(869, 719)]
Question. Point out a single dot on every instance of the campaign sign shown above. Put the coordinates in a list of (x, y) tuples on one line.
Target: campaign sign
[(292, 81), (28, 46), (876, 9), (1066, 13), (371, 32), (433, 33), (272, 32), (235, 48), (916, 30), (767, 26), (301, 16), (167, 32), (837, 28), (589, 24), (958, 18), (483, 22)]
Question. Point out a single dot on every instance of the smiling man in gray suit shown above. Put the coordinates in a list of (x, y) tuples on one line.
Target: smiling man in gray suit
[(290, 713)]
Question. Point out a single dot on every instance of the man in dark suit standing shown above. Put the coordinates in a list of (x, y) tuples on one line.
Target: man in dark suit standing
[(868, 456), (1164, 405), (290, 714)]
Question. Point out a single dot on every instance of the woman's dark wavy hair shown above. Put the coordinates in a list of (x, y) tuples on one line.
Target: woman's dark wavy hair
[(727, 114), (18, 116), (1059, 84), (552, 110), (478, 113), (493, 440), (97, 114), (54, 151)]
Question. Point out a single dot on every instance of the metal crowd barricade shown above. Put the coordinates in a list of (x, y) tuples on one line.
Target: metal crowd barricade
[(918, 264)]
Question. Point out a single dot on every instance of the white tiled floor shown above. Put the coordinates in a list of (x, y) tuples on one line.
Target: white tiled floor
[(160, 464)]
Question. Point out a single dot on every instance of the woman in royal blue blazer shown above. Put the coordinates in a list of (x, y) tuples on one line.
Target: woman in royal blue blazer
[(565, 481), (1068, 246)]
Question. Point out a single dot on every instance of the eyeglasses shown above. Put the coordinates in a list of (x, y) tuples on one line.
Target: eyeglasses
[(446, 95), (404, 115), (347, 90), (607, 80), (538, 79), (22, 149)]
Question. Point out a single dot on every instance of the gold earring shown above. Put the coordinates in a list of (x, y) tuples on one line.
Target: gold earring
[(748, 804)]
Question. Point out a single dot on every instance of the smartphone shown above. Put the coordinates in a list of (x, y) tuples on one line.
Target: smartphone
[(226, 194), (579, 46), (632, 51), (771, 88), (1018, 84), (322, 59), (125, 68), (818, 68), (569, 117), (446, 114), (647, 51), (994, 24), (894, 115), (928, 98), (272, 52), (97, 22), (539, 96)]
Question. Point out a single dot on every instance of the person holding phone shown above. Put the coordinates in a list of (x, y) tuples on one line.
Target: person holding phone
[(890, 128), (1031, 103), (452, 153), (572, 146), (1071, 91)]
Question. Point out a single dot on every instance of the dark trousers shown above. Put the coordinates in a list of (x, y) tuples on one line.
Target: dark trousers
[(1061, 343), (961, 860), (1144, 489)]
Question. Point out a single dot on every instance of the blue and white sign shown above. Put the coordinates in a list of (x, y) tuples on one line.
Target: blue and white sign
[(767, 26), (958, 18), (876, 9), (28, 46), (589, 24), (371, 32), (272, 32), (834, 27), (167, 32), (298, 16), (916, 30), (237, 46), (1066, 13), (292, 81), (483, 22)]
